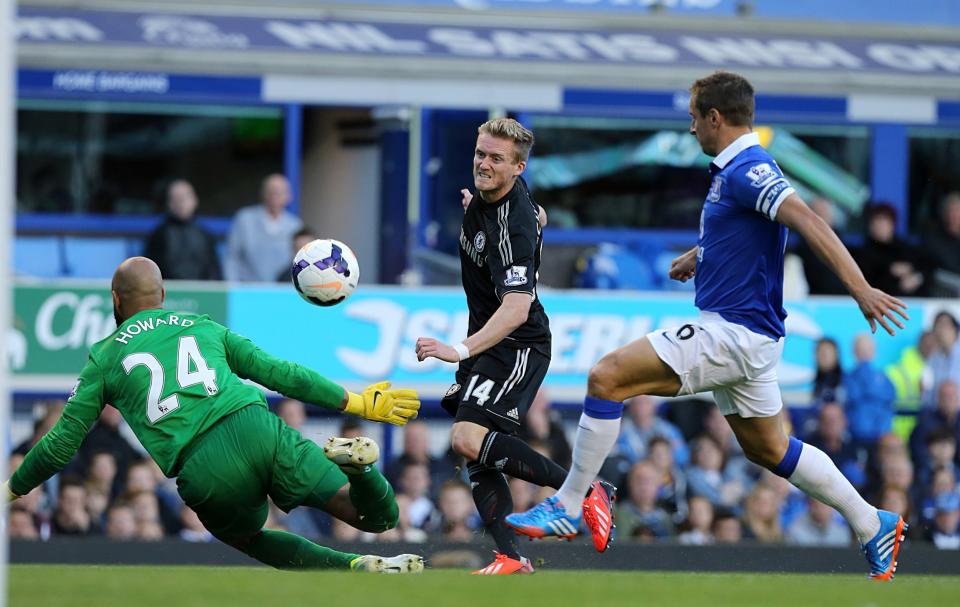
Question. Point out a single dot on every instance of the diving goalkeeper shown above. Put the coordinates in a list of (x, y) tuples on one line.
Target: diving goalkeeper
[(175, 378)]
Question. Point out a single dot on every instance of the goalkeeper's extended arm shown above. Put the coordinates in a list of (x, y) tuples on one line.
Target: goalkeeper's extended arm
[(376, 403)]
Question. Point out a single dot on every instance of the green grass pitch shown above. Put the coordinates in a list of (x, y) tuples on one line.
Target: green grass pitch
[(70, 586)]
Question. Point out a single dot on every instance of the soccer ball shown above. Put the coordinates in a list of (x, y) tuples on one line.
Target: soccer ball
[(325, 272)]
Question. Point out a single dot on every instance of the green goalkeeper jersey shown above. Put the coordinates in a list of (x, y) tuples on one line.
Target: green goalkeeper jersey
[(172, 376)]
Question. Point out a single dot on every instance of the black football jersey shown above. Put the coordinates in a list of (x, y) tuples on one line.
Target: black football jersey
[(500, 246)]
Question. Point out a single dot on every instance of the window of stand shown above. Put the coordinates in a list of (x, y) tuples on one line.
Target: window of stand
[(608, 172), (934, 158), (115, 158)]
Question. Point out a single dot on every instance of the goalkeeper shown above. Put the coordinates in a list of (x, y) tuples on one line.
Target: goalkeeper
[(175, 377)]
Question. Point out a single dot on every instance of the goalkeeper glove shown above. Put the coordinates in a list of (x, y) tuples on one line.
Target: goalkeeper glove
[(380, 404), (10, 495)]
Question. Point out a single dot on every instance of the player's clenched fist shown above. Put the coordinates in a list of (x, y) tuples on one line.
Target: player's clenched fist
[(379, 403), (684, 267)]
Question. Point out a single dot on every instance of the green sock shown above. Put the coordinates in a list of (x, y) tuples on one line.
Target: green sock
[(289, 551), (373, 497)]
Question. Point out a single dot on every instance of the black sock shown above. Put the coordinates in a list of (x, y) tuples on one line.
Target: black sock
[(518, 459), (491, 494)]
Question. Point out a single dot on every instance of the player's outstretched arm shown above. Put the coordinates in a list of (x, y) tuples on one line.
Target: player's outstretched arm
[(877, 307), (511, 314), (377, 403), (58, 446)]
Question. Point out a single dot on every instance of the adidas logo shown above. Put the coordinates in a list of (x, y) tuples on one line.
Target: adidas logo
[(513, 414)]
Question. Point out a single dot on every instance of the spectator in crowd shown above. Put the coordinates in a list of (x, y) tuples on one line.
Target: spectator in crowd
[(181, 248), (49, 414), (545, 425), (898, 501), (20, 524), (293, 413), (351, 427), (300, 239), (705, 477), (946, 534), (727, 528), (102, 474), (761, 517), (97, 503), (818, 527), (944, 363), (414, 483), (416, 450), (821, 280), (457, 512), (121, 523), (946, 415), (146, 511), (193, 530), (831, 438), (907, 372), (673, 487), (942, 480), (828, 380), (889, 263), (942, 239), (640, 425), (870, 395), (70, 516), (105, 436), (143, 477), (258, 247), (639, 516), (697, 527), (889, 447), (405, 531), (941, 454)]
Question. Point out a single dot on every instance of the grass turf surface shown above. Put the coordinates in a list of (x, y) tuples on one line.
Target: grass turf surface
[(69, 586)]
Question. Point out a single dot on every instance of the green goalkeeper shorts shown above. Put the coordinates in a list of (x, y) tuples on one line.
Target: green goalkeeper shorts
[(227, 473)]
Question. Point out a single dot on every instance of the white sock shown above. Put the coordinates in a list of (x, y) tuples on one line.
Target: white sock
[(817, 476), (595, 439)]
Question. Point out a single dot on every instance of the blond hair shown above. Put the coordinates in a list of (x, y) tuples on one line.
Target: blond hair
[(508, 128)]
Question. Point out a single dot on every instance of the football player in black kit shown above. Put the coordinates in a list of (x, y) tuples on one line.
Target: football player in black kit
[(505, 357)]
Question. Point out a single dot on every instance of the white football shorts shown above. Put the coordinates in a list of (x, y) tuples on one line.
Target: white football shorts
[(738, 365)]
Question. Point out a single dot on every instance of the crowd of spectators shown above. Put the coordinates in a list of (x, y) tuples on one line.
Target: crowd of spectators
[(681, 474)]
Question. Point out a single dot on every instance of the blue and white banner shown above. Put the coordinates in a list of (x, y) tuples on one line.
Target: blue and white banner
[(653, 47), (917, 12), (372, 335)]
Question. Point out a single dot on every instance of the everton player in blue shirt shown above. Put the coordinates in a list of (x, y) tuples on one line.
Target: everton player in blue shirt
[(734, 347)]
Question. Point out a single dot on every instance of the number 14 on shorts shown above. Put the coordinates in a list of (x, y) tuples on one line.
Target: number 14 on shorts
[(479, 392)]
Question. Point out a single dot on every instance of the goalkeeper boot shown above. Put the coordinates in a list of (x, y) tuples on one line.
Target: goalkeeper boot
[(882, 550), (353, 455), (598, 513), (402, 563), (547, 519), (504, 565)]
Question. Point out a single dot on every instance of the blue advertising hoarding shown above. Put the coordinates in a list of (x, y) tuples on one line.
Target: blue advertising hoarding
[(372, 335)]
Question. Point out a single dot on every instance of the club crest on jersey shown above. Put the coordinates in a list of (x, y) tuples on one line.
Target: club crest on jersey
[(715, 187), (761, 174), (453, 389), (480, 241), (516, 276)]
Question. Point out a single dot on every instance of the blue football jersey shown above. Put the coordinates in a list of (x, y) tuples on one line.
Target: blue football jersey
[(740, 262)]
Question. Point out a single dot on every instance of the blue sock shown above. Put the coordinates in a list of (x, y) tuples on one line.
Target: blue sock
[(599, 408), (789, 462)]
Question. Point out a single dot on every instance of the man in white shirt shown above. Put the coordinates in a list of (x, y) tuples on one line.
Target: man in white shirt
[(258, 247)]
